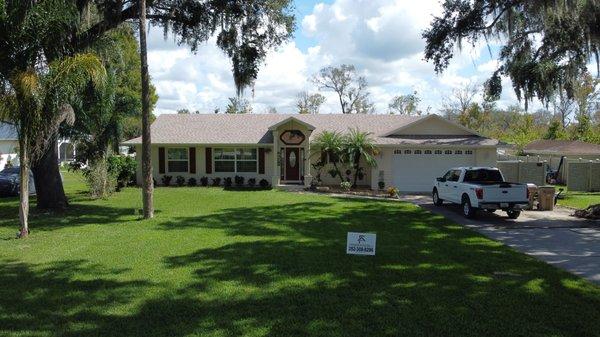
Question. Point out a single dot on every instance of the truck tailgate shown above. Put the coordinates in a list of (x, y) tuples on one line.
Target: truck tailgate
[(505, 192)]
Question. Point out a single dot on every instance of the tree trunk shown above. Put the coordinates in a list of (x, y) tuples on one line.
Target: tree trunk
[(147, 182), (48, 182), (23, 187), (356, 169)]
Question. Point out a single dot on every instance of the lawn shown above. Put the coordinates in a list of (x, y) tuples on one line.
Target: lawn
[(269, 263), (579, 199)]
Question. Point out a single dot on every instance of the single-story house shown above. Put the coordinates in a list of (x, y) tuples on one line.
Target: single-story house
[(9, 142), (413, 150), (556, 148)]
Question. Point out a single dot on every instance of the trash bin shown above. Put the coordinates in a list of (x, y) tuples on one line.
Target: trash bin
[(546, 198), (533, 190)]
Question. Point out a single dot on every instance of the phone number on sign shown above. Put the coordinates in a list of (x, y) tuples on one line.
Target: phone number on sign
[(360, 249)]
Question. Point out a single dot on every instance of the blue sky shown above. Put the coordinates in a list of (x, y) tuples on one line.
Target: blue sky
[(382, 38)]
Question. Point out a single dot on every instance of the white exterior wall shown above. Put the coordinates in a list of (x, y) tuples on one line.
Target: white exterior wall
[(483, 157), (200, 165), (486, 156), (327, 179), (8, 149)]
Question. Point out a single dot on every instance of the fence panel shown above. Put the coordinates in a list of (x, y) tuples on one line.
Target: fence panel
[(524, 172), (583, 176)]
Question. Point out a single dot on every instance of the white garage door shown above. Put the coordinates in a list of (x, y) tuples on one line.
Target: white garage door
[(414, 170)]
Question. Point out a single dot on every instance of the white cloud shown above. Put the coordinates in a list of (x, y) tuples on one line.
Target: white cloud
[(381, 38)]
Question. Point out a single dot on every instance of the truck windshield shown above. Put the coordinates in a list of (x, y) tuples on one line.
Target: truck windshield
[(483, 176)]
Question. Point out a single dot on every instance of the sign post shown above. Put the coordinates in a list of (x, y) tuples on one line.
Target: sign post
[(361, 243)]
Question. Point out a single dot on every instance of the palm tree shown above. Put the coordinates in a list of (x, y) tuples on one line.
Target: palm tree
[(37, 101), (329, 144), (147, 180), (357, 145)]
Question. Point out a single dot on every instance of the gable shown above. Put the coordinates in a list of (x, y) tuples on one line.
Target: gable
[(432, 125)]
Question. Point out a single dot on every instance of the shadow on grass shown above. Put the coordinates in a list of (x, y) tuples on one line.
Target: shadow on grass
[(75, 215), (429, 277), (281, 270)]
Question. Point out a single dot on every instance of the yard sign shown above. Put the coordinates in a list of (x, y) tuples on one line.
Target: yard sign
[(361, 243)]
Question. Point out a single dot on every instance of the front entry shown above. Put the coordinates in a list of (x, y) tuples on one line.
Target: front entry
[(292, 163)]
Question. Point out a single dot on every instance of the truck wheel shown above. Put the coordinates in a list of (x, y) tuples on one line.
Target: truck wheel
[(513, 214), (436, 198), (468, 211)]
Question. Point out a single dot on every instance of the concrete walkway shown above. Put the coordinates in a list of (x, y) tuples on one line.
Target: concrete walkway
[(555, 237)]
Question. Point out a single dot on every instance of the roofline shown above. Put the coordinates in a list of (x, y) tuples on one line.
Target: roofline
[(558, 153), (289, 119), (385, 145), (430, 116)]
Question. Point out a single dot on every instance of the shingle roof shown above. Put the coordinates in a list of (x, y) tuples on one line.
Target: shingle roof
[(8, 131), (562, 147), (254, 128)]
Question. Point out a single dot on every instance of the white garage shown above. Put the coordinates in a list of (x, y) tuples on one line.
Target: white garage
[(415, 154), (414, 169)]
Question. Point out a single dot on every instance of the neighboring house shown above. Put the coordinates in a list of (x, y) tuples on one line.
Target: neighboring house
[(9, 142), (66, 151), (276, 147), (573, 149)]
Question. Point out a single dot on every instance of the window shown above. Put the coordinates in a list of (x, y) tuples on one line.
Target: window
[(407, 151), (235, 160), (458, 152), (452, 175), (469, 152), (397, 151), (427, 151), (177, 160), (448, 152), (438, 151), (246, 160), (484, 176), (417, 151)]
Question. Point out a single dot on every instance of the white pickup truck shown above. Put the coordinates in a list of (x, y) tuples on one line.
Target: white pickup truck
[(480, 188)]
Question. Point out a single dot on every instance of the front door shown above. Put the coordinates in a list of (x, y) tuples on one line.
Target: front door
[(292, 163)]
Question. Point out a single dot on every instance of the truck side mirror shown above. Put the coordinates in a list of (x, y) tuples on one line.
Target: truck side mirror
[(440, 179)]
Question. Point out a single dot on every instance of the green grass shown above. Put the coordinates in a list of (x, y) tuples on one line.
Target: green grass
[(268, 263), (579, 199)]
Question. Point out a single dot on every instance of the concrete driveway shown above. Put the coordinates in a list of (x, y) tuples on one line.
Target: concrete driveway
[(555, 237)]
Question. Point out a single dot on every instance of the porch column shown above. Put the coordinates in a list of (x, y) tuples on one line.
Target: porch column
[(276, 155), (307, 175)]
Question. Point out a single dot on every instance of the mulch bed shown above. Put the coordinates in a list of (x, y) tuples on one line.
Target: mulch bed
[(360, 191)]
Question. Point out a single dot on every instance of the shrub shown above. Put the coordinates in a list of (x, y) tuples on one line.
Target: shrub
[(251, 182), (180, 181), (346, 185), (192, 182), (227, 182), (166, 180), (381, 185), (204, 181), (216, 181), (239, 181), (264, 183), (123, 168), (392, 192), (154, 182), (101, 182)]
